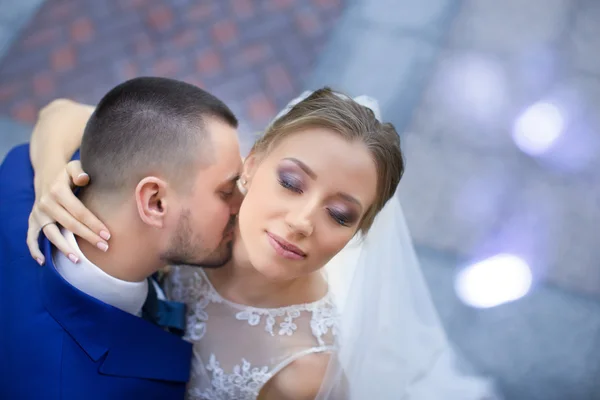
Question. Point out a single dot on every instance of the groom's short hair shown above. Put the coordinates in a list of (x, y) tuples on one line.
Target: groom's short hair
[(149, 125)]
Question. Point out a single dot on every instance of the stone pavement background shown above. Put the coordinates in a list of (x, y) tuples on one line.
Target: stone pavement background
[(252, 54)]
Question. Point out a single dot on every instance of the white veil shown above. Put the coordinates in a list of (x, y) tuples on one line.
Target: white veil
[(391, 343)]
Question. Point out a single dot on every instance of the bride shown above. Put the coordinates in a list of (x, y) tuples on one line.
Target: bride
[(324, 296)]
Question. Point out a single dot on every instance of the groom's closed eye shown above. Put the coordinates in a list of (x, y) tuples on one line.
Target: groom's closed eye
[(226, 195), (227, 190)]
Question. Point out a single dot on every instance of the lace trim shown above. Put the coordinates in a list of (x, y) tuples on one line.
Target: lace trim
[(323, 317), (244, 382)]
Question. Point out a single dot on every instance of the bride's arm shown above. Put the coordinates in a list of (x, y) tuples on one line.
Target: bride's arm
[(56, 136), (301, 380)]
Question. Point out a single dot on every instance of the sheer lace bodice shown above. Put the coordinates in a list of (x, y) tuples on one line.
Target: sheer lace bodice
[(238, 348)]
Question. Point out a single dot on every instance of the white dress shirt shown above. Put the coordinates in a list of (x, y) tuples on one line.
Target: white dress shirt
[(87, 277)]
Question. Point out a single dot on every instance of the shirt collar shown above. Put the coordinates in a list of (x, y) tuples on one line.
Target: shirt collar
[(93, 281)]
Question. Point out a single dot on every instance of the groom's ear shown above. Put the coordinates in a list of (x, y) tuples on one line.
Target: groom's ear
[(151, 201)]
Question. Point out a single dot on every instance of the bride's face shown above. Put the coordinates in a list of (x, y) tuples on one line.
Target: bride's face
[(305, 201)]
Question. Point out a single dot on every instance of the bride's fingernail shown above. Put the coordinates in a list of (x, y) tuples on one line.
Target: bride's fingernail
[(73, 258), (104, 235), (82, 175), (39, 260), (102, 246)]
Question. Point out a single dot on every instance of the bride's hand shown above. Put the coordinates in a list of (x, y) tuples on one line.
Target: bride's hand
[(56, 203)]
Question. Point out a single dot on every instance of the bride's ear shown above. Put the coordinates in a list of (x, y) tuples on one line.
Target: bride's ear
[(247, 172), (250, 164)]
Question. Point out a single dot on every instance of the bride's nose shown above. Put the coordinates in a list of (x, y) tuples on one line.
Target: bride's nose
[(300, 220)]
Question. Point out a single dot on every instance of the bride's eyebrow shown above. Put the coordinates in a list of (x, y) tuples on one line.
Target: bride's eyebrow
[(303, 167), (349, 198)]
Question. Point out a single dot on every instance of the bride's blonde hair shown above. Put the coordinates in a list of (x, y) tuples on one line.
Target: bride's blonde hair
[(328, 109)]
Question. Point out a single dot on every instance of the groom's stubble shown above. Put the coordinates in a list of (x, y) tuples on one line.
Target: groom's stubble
[(188, 246)]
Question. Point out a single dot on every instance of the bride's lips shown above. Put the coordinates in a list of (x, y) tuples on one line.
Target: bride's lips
[(285, 248)]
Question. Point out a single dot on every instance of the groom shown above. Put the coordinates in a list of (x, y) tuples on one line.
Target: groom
[(163, 159)]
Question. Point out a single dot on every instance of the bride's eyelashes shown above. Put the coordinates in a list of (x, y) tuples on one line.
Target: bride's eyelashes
[(290, 182), (339, 217)]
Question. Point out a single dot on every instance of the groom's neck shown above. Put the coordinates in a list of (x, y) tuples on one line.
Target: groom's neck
[(129, 257)]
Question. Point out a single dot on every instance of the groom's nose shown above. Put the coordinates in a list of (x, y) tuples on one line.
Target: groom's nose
[(235, 201)]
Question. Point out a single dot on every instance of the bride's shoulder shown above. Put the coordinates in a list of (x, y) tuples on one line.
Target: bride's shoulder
[(301, 379)]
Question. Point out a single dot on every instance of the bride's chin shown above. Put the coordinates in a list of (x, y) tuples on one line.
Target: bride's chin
[(268, 267), (271, 272)]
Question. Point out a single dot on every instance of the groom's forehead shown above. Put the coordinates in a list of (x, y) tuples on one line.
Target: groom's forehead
[(222, 136), (224, 147)]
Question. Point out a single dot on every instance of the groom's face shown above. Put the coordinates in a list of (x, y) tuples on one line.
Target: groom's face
[(204, 228)]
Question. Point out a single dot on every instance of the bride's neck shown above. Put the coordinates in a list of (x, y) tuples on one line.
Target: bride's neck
[(240, 282)]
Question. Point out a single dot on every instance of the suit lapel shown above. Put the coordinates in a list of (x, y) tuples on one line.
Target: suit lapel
[(131, 346)]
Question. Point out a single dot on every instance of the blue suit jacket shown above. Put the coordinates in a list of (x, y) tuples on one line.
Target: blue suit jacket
[(56, 342)]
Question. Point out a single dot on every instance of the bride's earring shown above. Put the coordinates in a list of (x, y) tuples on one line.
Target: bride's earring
[(241, 185)]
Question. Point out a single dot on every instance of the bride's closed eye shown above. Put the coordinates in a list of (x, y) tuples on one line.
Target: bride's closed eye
[(294, 184), (288, 181), (340, 217)]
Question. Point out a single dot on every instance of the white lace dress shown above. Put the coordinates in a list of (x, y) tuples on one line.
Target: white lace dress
[(237, 348)]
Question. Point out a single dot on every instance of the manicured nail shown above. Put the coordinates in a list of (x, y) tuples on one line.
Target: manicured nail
[(82, 175), (73, 259), (40, 261), (102, 246), (104, 235)]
